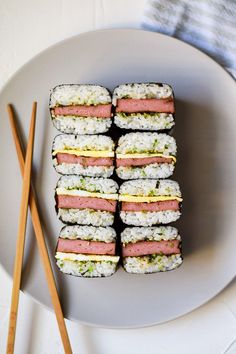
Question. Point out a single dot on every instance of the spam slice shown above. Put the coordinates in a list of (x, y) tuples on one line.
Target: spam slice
[(151, 249), (80, 109), (145, 155), (87, 251), (149, 202), (86, 200), (144, 106), (86, 155)]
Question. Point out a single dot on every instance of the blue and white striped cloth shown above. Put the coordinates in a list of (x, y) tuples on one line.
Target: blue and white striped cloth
[(209, 25)]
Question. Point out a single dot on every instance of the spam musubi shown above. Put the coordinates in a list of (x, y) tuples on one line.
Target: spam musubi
[(80, 109), (85, 155), (86, 200), (149, 202), (87, 251), (151, 249), (145, 155), (144, 106)]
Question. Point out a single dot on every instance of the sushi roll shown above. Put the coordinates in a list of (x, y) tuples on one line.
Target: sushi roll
[(151, 249), (86, 200), (144, 106), (87, 251), (149, 202), (86, 155), (80, 109), (145, 155)]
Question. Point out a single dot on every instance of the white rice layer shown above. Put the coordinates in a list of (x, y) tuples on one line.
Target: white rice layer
[(88, 233), (141, 91), (149, 218), (66, 95), (90, 184), (89, 269), (157, 170), (86, 217), (81, 125), (152, 264), (83, 142), (144, 121), (136, 234), (151, 187), (147, 143), (77, 169)]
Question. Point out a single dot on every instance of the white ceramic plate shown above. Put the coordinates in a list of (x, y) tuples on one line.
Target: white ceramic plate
[(206, 137)]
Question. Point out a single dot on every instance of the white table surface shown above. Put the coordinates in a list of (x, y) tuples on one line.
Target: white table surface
[(26, 28)]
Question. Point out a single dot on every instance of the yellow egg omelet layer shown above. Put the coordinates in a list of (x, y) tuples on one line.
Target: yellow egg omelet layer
[(146, 199), (88, 153), (85, 257), (81, 193)]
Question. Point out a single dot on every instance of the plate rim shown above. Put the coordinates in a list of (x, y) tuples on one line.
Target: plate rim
[(15, 73)]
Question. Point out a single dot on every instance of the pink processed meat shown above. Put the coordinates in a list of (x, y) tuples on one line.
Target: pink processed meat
[(154, 206), (84, 161), (130, 105), (86, 247), (142, 161), (100, 111), (77, 202), (143, 248)]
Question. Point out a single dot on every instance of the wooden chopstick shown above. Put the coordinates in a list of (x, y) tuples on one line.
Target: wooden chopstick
[(21, 235), (40, 240)]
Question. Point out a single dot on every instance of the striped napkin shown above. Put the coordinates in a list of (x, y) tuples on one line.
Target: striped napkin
[(209, 25)]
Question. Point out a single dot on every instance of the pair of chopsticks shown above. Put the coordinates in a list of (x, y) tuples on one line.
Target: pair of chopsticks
[(28, 198)]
